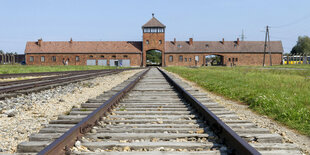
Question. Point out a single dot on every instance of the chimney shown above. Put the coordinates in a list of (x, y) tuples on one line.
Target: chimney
[(175, 41), (39, 42), (190, 41), (238, 41), (223, 41), (70, 40)]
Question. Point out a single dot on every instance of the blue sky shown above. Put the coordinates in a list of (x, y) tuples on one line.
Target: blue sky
[(121, 20)]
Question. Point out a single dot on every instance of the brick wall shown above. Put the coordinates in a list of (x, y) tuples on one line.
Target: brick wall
[(153, 44), (246, 59), (135, 59)]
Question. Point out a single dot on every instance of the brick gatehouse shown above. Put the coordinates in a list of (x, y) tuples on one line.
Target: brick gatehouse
[(133, 53)]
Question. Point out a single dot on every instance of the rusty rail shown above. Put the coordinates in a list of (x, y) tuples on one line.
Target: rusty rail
[(28, 84), (14, 75), (67, 140), (3, 76), (226, 134)]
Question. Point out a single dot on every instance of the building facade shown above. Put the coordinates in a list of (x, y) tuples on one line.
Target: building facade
[(134, 53)]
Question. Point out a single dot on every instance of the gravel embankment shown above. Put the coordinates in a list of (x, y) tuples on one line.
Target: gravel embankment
[(22, 78), (25, 114), (245, 113)]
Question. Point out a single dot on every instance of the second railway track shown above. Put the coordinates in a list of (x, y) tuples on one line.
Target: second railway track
[(157, 116), (13, 88)]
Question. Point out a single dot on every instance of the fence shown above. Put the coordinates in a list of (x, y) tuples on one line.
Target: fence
[(296, 59)]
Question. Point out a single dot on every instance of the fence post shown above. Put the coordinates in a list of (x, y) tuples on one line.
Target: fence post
[(288, 59)]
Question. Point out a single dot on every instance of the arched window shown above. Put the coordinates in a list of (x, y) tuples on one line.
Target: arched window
[(114, 56), (31, 59), (42, 58), (170, 58), (125, 56), (180, 58), (91, 56), (102, 56), (53, 58)]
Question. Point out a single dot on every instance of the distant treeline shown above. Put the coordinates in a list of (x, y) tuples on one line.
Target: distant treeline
[(302, 46)]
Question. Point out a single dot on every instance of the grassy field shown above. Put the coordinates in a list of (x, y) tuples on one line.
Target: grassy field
[(9, 69), (300, 66), (283, 95)]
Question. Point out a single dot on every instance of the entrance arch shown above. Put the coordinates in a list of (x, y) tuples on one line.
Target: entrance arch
[(154, 57), (214, 60)]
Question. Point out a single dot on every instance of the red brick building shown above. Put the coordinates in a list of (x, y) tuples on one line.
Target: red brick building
[(133, 53)]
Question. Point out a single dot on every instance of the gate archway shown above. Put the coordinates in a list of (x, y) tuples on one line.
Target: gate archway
[(214, 60), (154, 57)]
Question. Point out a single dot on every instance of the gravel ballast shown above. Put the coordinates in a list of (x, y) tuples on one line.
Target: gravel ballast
[(26, 114)]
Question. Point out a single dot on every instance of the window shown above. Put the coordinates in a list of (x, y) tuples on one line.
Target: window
[(54, 58), (170, 58), (125, 56), (236, 59), (179, 46), (185, 59), (42, 58), (147, 42), (153, 30), (160, 42), (189, 59), (102, 56), (207, 45), (229, 59), (160, 29), (197, 58), (77, 58), (147, 30), (180, 58), (91, 56), (113, 56), (31, 59), (233, 59)]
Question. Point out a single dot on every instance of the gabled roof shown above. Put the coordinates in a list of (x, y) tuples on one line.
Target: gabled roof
[(84, 47), (153, 23), (217, 46)]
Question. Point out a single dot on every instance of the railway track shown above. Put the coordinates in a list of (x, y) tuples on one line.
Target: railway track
[(157, 114), (13, 88), (5, 76), (50, 77)]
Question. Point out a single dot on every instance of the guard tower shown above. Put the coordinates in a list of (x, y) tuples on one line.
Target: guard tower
[(153, 38)]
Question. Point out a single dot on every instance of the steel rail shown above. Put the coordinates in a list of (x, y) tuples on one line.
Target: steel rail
[(67, 140), (65, 74), (3, 76), (7, 83), (225, 133), (56, 80)]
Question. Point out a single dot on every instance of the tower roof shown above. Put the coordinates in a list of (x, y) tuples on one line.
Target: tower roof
[(153, 23)]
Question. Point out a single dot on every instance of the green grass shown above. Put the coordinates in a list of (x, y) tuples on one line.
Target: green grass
[(300, 66), (10, 69), (283, 95)]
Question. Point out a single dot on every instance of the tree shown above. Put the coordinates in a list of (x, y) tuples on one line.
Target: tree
[(302, 46), (153, 56)]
